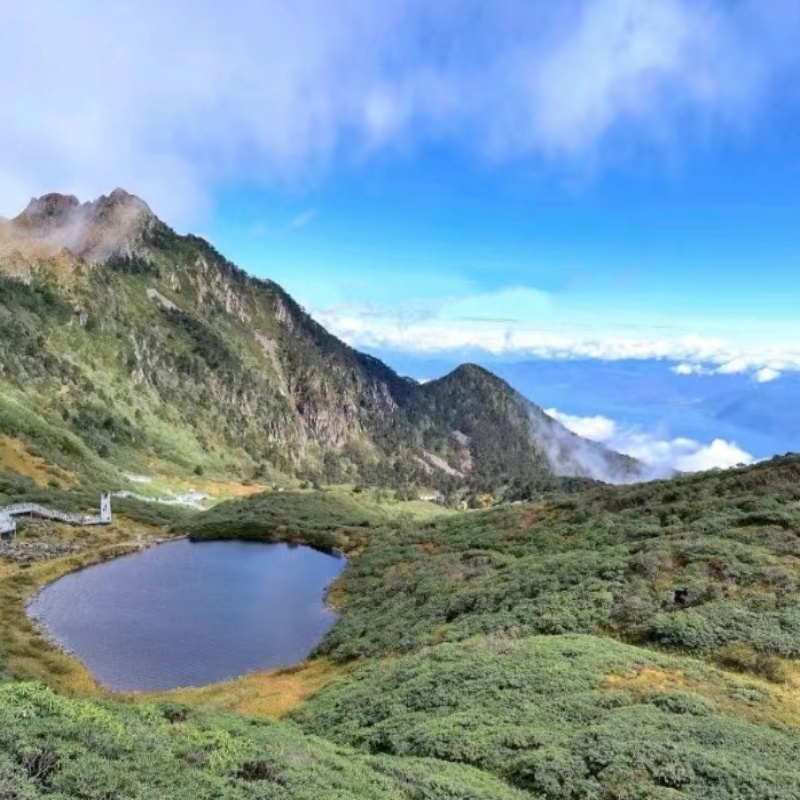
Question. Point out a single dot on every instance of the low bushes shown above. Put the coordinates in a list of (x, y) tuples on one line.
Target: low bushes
[(594, 562), (321, 520), (567, 717), (52, 746)]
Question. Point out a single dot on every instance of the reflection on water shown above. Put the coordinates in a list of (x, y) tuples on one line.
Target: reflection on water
[(190, 614)]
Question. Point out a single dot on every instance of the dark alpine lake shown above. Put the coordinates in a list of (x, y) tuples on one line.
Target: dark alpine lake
[(190, 614)]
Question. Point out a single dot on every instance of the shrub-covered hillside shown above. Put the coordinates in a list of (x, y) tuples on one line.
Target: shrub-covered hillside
[(315, 518), (54, 747), (333, 519), (703, 564), (569, 717), (616, 643)]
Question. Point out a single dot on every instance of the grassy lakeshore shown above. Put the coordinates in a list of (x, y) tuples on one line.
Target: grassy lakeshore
[(30, 655), (337, 517), (269, 693)]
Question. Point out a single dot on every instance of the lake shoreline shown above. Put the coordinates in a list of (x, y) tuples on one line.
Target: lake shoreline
[(31, 653), (189, 617)]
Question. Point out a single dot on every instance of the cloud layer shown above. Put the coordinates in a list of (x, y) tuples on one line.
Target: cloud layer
[(662, 455), (176, 99), (740, 365), (526, 323)]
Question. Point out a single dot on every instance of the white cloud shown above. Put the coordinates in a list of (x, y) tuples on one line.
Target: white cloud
[(690, 369), (736, 366), (767, 374), (174, 100), (598, 428), (624, 59), (718, 454), (527, 323), (662, 455)]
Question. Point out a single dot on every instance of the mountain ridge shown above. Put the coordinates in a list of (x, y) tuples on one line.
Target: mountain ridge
[(150, 334)]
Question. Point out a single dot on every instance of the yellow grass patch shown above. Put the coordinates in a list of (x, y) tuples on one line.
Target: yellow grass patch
[(270, 694), (777, 704), (163, 480), (647, 678), (335, 597), (218, 490)]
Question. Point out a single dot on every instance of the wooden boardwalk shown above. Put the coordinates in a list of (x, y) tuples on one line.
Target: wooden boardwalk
[(9, 514)]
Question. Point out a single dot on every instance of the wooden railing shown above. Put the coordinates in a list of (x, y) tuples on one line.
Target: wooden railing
[(8, 514), (35, 510)]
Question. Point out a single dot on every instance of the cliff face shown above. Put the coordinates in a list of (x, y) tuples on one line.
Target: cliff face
[(155, 351)]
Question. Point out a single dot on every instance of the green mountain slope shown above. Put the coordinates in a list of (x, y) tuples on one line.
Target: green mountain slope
[(706, 564), (148, 351)]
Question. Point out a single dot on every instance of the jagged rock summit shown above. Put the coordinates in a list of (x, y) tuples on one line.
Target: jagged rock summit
[(113, 224), (151, 346)]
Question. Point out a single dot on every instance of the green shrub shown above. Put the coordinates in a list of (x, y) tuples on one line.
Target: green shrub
[(544, 714), (773, 668), (737, 656), (55, 747)]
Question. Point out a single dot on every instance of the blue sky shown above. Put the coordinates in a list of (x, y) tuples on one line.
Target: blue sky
[(516, 179), (703, 246), (694, 258)]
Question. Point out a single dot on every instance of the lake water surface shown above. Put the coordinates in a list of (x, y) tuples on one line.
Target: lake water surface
[(190, 614)]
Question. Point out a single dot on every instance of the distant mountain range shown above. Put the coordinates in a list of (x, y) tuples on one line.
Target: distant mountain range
[(128, 348)]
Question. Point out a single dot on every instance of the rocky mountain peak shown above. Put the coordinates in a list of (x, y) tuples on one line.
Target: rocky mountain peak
[(47, 210), (121, 202), (470, 372), (110, 225)]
